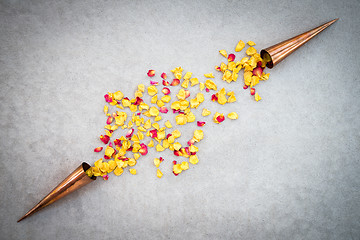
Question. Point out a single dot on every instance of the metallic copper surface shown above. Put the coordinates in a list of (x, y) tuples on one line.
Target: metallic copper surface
[(74, 181), (280, 51)]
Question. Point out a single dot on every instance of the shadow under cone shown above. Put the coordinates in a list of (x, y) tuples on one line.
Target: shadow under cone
[(74, 181), (275, 54)]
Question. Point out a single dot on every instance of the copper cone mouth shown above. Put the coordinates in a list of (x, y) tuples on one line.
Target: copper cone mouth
[(278, 52), (77, 179)]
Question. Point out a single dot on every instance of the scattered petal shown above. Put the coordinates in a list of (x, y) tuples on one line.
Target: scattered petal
[(143, 150), (200, 124), (165, 83), (239, 46), (233, 115), (154, 82), (151, 73), (252, 91), (166, 91), (231, 57), (98, 149), (223, 52), (163, 109), (175, 82), (257, 97), (105, 139), (159, 174)]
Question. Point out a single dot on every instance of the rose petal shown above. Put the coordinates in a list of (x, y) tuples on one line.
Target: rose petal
[(187, 93), (143, 150), (220, 118), (200, 124), (166, 91), (163, 109), (130, 133), (258, 71), (151, 73), (175, 82), (109, 120), (107, 98), (153, 133), (154, 82), (105, 139), (252, 91), (231, 57), (165, 83), (163, 76), (98, 149)]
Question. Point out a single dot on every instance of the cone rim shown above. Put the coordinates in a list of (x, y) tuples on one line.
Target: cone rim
[(85, 167)]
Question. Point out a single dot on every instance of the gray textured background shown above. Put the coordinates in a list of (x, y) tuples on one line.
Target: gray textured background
[(288, 168)]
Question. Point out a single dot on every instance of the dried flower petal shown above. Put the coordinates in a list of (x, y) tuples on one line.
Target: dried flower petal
[(252, 91), (233, 115), (223, 52), (200, 124), (163, 109), (209, 75), (130, 133), (105, 139), (166, 91), (257, 97), (239, 46), (251, 43), (143, 150), (175, 82), (165, 83), (154, 82), (98, 149), (151, 73), (159, 174), (163, 75), (231, 57), (205, 112), (258, 71), (193, 159)]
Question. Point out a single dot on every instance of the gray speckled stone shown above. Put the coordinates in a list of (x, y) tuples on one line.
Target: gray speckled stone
[(288, 168)]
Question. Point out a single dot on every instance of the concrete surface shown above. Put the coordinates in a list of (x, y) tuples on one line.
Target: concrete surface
[(288, 168)]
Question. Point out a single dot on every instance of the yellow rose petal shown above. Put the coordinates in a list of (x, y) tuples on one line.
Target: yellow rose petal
[(184, 165), (118, 171), (257, 97), (168, 124), (193, 159), (132, 171), (233, 115), (209, 75), (251, 43), (239, 46), (205, 112), (157, 162), (152, 90), (159, 148), (223, 52), (159, 174)]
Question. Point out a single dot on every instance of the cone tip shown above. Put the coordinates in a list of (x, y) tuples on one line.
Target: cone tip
[(22, 218)]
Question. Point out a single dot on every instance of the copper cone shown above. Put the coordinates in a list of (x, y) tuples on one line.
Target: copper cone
[(278, 52), (74, 181)]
